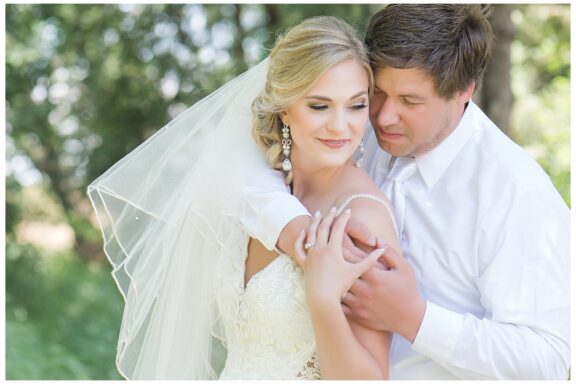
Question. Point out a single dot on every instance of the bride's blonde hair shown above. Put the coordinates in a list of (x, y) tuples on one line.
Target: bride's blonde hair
[(297, 60)]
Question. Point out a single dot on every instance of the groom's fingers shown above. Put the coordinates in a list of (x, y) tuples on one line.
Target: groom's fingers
[(364, 265), (360, 232), (350, 304), (346, 309), (391, 258), (350, 251), (360, 287), (348, 299)]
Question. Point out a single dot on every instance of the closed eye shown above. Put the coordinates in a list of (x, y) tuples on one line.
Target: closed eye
[(410, 101), (359, 106), (318, 107)]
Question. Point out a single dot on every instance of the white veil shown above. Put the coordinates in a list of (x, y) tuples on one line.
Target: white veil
[(167, 212)]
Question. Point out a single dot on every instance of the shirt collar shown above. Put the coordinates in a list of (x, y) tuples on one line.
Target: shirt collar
[(435, 162)]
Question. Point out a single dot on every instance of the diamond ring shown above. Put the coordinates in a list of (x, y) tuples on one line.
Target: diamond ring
[(307, 246)]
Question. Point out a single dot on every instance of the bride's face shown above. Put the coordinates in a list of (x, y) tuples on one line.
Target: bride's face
[(327, 124)]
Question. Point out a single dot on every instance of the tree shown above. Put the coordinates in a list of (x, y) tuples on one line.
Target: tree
[(495, 95)]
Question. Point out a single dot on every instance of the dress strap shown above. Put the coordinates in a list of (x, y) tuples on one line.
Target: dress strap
[(371, 197)]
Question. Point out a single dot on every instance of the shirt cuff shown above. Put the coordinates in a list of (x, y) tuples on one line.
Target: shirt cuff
[(282, 209), (438, 333)]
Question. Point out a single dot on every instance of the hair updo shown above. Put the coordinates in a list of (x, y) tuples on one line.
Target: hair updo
[(296, 62)]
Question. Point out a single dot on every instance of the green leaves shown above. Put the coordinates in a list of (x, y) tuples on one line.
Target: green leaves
[(62, 317)]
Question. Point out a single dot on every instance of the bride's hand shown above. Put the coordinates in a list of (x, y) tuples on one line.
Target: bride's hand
[(327, 275)]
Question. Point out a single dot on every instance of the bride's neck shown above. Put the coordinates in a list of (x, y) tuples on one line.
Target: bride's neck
[(310, 183)]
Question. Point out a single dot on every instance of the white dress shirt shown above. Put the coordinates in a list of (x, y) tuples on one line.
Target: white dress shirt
[(488, 237)]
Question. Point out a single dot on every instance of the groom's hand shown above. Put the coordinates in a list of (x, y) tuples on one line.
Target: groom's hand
[(358, 242), (387, 300)]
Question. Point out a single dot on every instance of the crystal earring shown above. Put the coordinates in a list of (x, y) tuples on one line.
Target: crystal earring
[(287, 164), (360, 162)]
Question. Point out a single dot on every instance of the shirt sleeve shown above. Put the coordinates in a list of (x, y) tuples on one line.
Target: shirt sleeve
[(268, 206), (524, 287)]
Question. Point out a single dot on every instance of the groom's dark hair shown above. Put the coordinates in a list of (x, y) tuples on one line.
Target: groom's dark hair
[(451, 42)]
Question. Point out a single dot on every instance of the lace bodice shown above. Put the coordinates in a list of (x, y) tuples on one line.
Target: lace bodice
[(269, 332), (268, 327)]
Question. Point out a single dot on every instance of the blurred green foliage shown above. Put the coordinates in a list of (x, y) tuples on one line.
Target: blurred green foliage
[(541, 85), (14, 204), (62, 317), (86, 83)]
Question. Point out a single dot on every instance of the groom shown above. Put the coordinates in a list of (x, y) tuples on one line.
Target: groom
[(483, 289)]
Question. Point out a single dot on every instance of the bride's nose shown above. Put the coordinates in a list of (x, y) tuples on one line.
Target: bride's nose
[(338, 123)]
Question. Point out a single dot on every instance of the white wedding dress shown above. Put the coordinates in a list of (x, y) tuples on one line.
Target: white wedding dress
[(269, 332)]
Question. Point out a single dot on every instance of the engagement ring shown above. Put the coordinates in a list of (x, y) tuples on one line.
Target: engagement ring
[(307, 246)]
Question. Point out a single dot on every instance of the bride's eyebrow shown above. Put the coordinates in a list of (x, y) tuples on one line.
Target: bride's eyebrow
[(361, 93), (324, 98), (316, 97)]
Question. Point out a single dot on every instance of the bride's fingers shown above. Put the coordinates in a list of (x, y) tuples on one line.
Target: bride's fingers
[(300, 255), (311, 237), (324, 228), (364, 265), (337, 233)]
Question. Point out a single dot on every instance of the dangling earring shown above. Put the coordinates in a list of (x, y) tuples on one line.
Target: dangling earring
[(287, 164), (360, 162)]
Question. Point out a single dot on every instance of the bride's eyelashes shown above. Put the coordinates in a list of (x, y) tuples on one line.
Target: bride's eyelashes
[(322, 107), (318, 107), (359, 106)]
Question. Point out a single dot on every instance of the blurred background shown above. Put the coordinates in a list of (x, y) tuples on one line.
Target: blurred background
[(85, 84)]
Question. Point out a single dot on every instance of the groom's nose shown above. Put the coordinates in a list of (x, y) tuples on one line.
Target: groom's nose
[(385, 112)]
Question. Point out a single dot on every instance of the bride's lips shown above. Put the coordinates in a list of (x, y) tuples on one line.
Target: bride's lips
[(334, 144), (389, 136)]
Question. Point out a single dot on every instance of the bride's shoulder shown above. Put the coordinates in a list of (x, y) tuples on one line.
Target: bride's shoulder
[(358, 182), (370, 206)]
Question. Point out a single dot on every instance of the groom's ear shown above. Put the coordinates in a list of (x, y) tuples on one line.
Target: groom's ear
[(465, 95)]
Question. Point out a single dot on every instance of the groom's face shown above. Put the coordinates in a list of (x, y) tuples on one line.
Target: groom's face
[(407, 114)]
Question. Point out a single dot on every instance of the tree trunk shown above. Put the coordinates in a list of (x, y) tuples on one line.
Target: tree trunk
[(237, 48), (495, 95)]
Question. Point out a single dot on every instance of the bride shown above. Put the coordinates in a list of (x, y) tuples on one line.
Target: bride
[(193, 279)]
